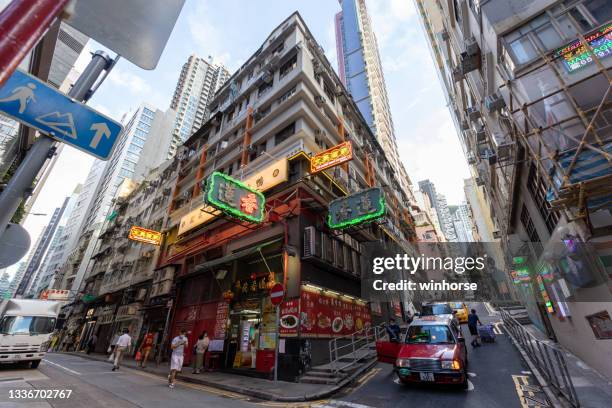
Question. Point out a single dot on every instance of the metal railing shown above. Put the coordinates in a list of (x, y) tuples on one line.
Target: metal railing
[(548, 358), (351, 347)]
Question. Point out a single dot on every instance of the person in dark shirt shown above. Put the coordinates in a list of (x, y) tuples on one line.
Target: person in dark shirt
[(473, 322), (394, 330)]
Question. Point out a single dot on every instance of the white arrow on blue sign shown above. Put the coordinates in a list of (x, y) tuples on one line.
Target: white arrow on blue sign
[(38, 105)]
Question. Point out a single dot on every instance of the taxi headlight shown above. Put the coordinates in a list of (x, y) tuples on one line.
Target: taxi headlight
[(451, 365), (45, 346), (402, 362)]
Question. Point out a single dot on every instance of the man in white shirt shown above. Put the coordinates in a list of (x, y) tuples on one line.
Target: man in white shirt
[(178, 352), (124, 342)]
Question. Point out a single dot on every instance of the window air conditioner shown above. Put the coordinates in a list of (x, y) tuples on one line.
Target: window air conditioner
[(494, 102)]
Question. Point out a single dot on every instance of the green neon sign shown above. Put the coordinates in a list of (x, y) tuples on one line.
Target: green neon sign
[(234, 198), (364, 206), (517, 260)]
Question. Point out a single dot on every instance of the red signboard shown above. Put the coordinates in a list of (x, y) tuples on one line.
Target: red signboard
[(277, 293), (323, 314)]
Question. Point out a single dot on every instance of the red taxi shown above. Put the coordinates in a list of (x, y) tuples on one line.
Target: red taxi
[(433, 351)]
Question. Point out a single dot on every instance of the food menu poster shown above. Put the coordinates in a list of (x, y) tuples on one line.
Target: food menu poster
[(323, 315), (221, 320)]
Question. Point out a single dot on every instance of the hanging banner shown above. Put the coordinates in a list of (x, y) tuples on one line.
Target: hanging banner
[(332, 157), (234, 198), (366, 205)]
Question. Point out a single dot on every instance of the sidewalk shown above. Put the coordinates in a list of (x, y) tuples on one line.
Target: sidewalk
[(592, 388), (255, 387)]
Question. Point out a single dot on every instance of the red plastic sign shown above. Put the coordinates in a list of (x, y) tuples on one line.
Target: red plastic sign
[(277, 293)]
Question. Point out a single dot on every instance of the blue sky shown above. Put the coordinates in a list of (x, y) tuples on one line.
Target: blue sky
[(231, 30)]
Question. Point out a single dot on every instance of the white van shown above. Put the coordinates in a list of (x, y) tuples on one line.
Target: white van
[(25, 328)]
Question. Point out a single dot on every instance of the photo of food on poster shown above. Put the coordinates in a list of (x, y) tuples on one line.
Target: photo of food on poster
[(330, 315)]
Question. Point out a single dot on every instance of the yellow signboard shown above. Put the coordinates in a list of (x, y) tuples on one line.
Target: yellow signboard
[(145, 235), (266, 178), (332, 157), (269, 176), (197, 217)]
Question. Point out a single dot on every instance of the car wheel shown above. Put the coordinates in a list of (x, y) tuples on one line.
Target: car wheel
[(35, 363), (465, 384)]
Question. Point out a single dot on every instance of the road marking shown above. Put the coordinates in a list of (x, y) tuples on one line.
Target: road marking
[(526, 372), (342, 404), (62, 367), (496, 328), (490, 309), (527, 393), (472, 374)]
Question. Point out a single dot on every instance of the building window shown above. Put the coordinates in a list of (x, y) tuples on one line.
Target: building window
[(538, 189), (288, 66), (286, 95), (532, 234), (264, 88), (549, 31), (284, 134), (328, 91)]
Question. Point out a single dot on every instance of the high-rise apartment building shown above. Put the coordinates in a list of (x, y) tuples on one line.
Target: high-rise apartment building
[(62, 243), (362, 74), (38, 252), (439, 204), (462, 224), (527, 84), (197, 84), (146, 142)]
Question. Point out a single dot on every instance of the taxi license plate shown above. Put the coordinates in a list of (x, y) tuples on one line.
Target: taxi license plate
[(426, 376)]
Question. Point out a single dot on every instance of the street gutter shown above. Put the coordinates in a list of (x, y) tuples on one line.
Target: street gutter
[(248, 391)]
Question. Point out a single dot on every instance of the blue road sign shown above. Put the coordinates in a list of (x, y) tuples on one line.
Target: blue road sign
[(38, 105)]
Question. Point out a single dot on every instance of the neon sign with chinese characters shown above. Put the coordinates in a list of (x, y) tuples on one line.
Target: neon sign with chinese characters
[(332, 157), (575, 55), (361, 207), (234, 198), (145, 235)]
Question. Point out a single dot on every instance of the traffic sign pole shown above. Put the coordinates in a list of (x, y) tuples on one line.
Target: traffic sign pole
[(277, 294), (22, 25), (277, 343), (43, 148)]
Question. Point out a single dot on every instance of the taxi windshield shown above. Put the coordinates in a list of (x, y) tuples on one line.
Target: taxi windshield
[(436, 309), (429, 334), (457, 305)]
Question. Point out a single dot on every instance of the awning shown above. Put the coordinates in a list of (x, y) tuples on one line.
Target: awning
[(235, 255)]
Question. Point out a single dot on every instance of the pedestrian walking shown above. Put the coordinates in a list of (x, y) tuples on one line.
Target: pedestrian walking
[(91, 344), (394, 330), (178, 353), (145, 349), (123, 345), (473, 322), (200, 351)]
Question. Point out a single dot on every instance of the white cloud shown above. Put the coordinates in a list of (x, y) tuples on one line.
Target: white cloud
[(208, 36), (130, 81)]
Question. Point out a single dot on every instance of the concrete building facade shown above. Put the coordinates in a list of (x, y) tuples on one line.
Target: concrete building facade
[(528, 87)]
